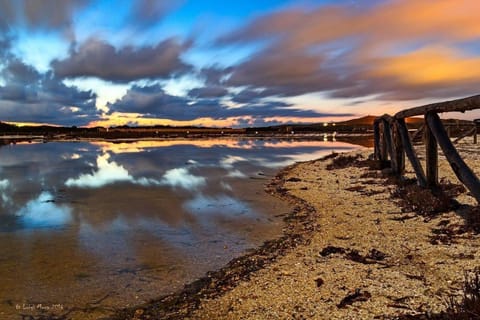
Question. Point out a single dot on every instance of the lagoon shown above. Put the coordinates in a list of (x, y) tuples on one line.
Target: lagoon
[(87, 227)]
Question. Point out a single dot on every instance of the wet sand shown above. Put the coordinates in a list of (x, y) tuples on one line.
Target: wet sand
[(349, 251)]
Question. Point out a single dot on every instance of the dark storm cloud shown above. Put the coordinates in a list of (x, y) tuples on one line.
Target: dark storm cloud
[(152, 101), (208, 92), (250, 95), (149, 101), (97, 58), (395, 50), (215, 75), (29, 96), (18, 72)]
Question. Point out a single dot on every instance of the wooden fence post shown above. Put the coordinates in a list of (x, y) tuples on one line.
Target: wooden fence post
[(388, 142), (398, 151), (410, 152), (383, 144), (475, 135), (431, 155), (463, 172), (376, 136)]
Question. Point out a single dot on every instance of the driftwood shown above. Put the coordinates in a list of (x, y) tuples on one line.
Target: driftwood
[(392, 140)]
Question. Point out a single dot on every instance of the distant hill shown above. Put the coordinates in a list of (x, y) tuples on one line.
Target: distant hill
[(368, 120), (358, 125)]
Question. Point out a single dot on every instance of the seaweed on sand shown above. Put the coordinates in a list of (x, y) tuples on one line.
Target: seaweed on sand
[(467, 307), (343, 161), (427, 202)]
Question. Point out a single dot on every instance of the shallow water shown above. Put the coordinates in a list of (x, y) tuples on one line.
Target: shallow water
[(89, 227)]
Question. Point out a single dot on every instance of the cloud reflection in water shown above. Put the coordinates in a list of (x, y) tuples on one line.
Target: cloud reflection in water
[(180, 177), (109, 172), (42, 212), (4, 185)]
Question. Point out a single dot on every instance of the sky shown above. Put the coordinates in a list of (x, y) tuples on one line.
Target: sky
[(236, 64)]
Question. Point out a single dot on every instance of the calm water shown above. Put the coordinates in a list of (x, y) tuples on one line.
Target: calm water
[(87, 227)]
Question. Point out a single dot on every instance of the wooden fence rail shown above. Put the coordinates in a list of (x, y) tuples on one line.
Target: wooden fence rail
[(393, 142)]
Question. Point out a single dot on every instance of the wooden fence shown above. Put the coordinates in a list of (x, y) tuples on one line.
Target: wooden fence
[(393, 142)]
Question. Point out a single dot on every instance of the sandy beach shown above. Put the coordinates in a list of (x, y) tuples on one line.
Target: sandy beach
[(388, 261), (350, 251)]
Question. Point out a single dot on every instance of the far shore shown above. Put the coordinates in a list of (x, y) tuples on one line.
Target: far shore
[(363, 139)]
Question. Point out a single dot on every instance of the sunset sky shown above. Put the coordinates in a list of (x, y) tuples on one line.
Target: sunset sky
[(232, 63)]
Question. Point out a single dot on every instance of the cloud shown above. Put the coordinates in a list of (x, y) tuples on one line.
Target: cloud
[(215, 75), (208, 92), (97, 58), (391, 21), (395, 50), (45, 14), (153, 101), (437, 70), (29, 96), (251, 96), (280, 71), (147, 12)]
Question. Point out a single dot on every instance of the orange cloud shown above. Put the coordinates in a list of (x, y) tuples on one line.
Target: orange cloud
[(395, 50), (430, 66)]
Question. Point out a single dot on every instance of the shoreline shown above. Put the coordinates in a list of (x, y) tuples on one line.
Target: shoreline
[(267, 253), (370, 258), (348, 251), (298, 229)]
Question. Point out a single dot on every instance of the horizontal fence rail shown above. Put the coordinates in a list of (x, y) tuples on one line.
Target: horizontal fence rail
[(393, 142)]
